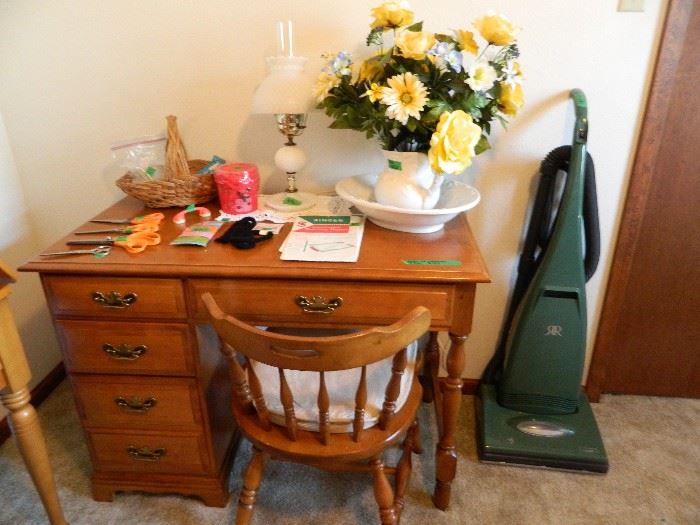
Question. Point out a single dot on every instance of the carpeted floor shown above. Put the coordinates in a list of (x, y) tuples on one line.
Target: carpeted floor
[(654, 478)]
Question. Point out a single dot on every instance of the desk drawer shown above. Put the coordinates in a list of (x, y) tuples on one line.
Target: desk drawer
[(118, 347), (149, 452), (153, 403), (115, 297), (271, 301)]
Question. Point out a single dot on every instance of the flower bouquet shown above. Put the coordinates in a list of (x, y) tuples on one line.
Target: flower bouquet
[(425, 92)]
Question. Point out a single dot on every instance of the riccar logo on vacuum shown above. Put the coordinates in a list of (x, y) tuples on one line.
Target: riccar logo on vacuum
[(553, 329)]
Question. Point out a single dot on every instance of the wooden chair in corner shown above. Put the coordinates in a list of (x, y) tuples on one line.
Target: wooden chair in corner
[(15, 396), (270, 374)]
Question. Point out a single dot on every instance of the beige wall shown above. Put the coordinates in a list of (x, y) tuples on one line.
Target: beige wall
[(17, 243), (78, 75)]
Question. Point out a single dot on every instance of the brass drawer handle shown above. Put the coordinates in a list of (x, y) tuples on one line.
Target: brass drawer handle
[(145, 453), (318, 304), (135, 404), (114, 299), (124, 351)]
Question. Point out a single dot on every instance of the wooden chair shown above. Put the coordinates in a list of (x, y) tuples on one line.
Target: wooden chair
[(15, 396), (284, 437)]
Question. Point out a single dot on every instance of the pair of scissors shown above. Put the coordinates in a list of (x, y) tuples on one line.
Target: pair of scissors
[(100, 251), (133, 243), (140, 219), (141, 227)]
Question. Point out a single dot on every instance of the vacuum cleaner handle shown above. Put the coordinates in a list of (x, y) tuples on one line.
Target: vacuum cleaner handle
[(591, 224)]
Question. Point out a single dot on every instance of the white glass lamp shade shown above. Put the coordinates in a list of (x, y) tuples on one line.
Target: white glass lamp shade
[(286, 89)]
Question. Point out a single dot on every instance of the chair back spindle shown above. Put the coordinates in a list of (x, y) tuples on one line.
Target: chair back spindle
[(323, 406), (358, 423), (239, 382), (288, 404), (393, 389), (258, 398)]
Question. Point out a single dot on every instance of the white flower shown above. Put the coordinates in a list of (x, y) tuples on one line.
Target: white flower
[(511, 74), (482, 76), (406, 97)]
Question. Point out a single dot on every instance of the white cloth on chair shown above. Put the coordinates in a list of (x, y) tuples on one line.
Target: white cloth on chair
[(341, 386)]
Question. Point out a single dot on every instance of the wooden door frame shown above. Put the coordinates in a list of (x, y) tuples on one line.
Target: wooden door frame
[(658, 100)]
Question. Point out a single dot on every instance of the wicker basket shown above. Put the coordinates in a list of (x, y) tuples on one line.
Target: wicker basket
[(180, 186)]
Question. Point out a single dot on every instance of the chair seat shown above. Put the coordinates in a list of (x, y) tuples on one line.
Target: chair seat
[(341, 390)]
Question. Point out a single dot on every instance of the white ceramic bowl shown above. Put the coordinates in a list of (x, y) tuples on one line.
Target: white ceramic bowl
[(456, 197)]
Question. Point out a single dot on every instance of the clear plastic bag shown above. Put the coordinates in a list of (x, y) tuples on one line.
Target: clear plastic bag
[(143, 157)]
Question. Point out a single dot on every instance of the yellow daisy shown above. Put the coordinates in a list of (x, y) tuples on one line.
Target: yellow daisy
[(406, 97)]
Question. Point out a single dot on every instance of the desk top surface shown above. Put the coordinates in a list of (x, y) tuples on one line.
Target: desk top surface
[(382, 255)]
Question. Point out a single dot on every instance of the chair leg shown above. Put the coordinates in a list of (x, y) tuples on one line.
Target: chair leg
[(404, 468), (383, 493), (417, 443), (251, 483)]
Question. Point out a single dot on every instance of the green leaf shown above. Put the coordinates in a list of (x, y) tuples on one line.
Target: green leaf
[(477, 100), (482, 145), (418, 26), (445, 38), (434, 114), (340, 124), (386, 57), (503, 121), (376, 37)]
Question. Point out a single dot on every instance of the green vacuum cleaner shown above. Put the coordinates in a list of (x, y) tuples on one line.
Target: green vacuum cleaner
[(531, 409)]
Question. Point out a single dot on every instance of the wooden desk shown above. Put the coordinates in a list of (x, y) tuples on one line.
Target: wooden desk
[(166, 318), (14, 394)]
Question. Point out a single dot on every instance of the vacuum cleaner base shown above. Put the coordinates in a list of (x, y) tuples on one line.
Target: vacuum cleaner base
[(566, 442)]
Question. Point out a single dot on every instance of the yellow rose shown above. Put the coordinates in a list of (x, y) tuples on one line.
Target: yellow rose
[(392, 14), (452, 145), (466, 41), (414, 44), (496, 29), (511, 99), (324, 83), (370, 69)]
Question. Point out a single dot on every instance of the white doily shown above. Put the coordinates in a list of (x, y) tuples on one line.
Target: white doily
[(325, 205)]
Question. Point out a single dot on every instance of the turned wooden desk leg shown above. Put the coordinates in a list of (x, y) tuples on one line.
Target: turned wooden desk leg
[(446, 453), (30, 441)]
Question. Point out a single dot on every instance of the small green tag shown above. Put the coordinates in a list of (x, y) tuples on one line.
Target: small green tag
[(99, 255), (394, 164), (122, 238), (432, 262), (190, 208), (291, 201), (327, 219), (150, 171)]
